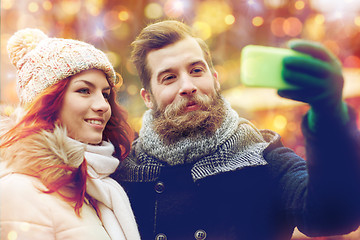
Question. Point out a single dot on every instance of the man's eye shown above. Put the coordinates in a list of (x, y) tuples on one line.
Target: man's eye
[(197, 70), (168, 78)]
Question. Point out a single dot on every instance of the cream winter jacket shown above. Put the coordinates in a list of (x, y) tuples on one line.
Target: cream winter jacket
[(27, 212)]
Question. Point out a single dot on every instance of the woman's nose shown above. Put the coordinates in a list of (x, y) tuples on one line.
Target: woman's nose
[(100, 103)]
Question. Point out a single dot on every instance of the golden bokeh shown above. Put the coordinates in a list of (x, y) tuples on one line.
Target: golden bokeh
[(299, 4), (153, 11), (33, 7), (213, 14), (258, 21), (292, 26)]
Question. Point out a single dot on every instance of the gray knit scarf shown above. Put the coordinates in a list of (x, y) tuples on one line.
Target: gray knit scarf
[(235, 145)]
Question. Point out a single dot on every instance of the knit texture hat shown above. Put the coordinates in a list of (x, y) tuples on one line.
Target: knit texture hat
[(42, 61)]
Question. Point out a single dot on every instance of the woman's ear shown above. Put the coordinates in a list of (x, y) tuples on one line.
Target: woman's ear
[(146, 96)]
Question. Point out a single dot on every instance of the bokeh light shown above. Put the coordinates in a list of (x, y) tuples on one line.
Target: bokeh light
[(314, 28), (277, 27), (357, 21), (258, 21), (280, 122), (319, 19), (275, 3), (123, 15), (71, 7), (292, 26), (7, 4), (299, 5), (174, 8), (153, 11), (12, 235), (229, 19), (132, 89), (213, 14), (94, 7), (33, 7), (47, 5), (99, 33), (202, 29), (114, 58)]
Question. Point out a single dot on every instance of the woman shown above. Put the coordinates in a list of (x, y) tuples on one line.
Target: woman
[(57, 157)]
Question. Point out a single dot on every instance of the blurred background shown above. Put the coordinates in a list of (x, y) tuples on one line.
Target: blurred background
[(226, 25)]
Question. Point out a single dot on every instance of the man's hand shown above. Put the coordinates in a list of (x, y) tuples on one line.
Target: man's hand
[(319, 81)]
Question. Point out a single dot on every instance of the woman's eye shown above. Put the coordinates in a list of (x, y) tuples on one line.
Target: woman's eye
[(106, 95), (83, 91)]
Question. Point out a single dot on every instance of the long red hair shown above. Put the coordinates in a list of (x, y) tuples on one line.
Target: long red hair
[(43, 113)]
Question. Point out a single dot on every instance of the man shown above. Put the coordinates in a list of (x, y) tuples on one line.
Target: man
[(199, 171)]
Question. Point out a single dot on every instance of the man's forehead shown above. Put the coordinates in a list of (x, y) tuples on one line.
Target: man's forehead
[(184, 52)]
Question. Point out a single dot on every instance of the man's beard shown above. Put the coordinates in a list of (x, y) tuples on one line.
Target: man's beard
[(174, 123)]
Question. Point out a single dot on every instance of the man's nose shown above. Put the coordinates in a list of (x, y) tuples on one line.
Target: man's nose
[(187, 86)]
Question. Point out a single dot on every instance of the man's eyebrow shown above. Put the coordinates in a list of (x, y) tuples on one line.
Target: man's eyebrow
[(201, 62), (167, 70)]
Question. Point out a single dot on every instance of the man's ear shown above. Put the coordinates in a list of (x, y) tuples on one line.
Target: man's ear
[(216, 81), (146, 96)]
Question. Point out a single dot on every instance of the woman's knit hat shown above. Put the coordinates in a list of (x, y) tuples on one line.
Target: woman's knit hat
[(42, 61)]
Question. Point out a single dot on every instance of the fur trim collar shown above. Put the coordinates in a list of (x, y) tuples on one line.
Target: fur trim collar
[(39, 153)]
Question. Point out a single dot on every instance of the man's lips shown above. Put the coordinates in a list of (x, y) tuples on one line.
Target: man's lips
[(191, 106)]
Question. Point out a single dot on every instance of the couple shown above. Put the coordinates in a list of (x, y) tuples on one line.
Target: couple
[(196, 171)]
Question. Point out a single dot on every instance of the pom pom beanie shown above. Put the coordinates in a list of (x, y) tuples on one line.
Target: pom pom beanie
[(42, 61)]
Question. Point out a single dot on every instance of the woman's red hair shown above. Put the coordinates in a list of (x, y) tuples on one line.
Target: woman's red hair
[(43, 113)]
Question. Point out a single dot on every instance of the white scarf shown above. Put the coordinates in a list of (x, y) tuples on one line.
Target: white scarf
[(116, 213)]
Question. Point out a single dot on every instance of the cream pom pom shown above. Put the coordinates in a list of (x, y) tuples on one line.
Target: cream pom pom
[(22, 42)]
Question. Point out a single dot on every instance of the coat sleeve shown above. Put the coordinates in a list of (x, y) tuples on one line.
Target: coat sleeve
[(321, 195)]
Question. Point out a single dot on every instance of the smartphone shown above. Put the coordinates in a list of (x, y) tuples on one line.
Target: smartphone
[(261, 66)]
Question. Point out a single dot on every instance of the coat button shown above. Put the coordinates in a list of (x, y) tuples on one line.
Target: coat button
[(200, 234), (161, 236), (159, 187)]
